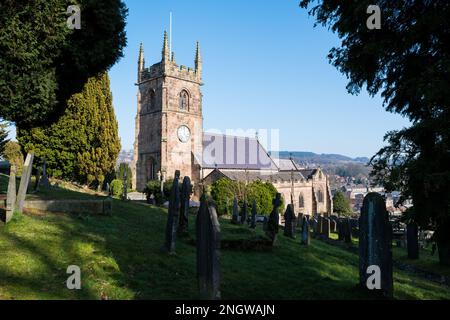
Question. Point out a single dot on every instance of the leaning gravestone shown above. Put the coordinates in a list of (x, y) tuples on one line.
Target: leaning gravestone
[(289, 223), (172, 217), (186, 191), (244, 212), (375, 242), (274, 219), (412, 232), (306, 236), (24, 181), (235, 216), (208, 245), (11, 196), (254, 212)]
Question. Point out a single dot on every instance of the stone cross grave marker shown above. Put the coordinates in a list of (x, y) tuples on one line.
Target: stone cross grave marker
[(172, 217), (186, 191), (235, 216), (375, 245), (274, 219), (254, 213), (11, 196), (306, 236), (289, 223), (208, 246), (412, 240), (24, 181)]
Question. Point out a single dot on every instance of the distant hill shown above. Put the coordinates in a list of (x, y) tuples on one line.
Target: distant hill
[(303, 157)]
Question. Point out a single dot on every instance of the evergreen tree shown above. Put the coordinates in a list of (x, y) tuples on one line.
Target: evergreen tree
[(83, 144), (341, 205), (43, 62), (124, 167), (3, 137), (407, 61)]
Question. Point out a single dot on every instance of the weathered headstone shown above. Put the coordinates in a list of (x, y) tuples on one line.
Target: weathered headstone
[(289, 223), (208, 245), (186, 191), (254, 213), (306, 236), (375, 246), (412, 234), (235, 216), (44, 182), (274, 219), (319, 226), (325, 228), (24, 181), (108, 189), (243, 212), (340, 227), (11, 196), (333, 225), (172, 217), (347, 230)]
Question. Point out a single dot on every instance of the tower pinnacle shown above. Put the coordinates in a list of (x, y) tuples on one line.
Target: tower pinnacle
[(198, 60), (165, 50), (141, 62)]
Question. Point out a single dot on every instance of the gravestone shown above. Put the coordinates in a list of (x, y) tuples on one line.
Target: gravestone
[(125, 186), (172, 217), (333, 226), (208, 246), (412, 232), (347, 230), (24, 181), (254, 213), (274, 219), (44, 182), (108, 189), (319, 226), (244, 212), (306, 236), (375, 242), (289, 223), (235, 216), (339, 226), (186, 191), (11, 196), (325, 228)]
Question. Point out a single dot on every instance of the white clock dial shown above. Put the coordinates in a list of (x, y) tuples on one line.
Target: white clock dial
[(184, 134)]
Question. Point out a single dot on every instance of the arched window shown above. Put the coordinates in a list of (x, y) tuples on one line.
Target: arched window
[(150, 169), (320, 196), (184, 100), (301, 201)]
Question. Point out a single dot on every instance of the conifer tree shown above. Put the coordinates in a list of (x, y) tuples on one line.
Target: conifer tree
[(83, 144)]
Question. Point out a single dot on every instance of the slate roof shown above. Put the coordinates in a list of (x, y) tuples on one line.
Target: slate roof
[(286, 164), (234, 152), (253, 175), (308, 173)]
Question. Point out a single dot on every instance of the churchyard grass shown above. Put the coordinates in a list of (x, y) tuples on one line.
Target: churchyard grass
[(120, 258)]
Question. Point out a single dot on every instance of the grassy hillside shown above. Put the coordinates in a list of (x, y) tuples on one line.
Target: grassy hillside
[(120, 257)]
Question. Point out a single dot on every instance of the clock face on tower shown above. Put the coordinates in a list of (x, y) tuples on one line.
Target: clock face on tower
[(184, 134)]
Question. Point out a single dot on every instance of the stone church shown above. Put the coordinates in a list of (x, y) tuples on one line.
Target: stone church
[(169, 136)]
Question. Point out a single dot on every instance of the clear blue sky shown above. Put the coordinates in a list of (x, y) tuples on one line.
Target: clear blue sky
[(265, 67)]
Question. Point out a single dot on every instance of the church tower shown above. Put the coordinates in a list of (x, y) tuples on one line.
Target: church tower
[(169, 121)]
